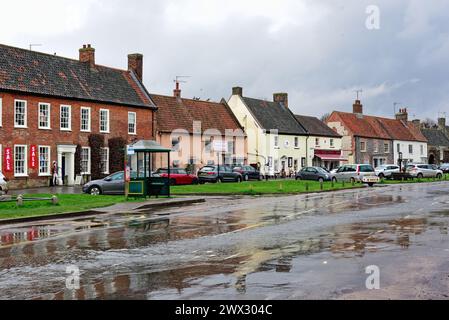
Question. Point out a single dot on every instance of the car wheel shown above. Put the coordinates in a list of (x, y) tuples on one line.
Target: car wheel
[(239, 179), (381, 176), (420, 176), (95, 191), (439, 176), (195, 181), (246, 177), (298, 178), (320, 180), (371, 184), (202, 182), (334, 180), (352, 180)]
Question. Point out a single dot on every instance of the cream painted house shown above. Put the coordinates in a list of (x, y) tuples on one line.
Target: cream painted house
[(276, 141)]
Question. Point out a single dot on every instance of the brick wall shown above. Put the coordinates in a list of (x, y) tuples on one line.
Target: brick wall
[(371, 152), (9, 136)]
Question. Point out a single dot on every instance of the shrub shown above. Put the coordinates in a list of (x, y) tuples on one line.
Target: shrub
[(96, 142)]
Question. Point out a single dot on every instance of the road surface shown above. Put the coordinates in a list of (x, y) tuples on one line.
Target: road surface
[(315, 246)]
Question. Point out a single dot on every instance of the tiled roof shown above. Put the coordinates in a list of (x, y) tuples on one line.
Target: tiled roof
[(316, 127), (38, 73), (178, 113), (436, 137), (274, 115), (378, 127)]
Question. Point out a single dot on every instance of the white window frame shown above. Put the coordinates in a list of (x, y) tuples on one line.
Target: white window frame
[(135, 123), (107, 162), (25, 125), (410, 146), (48, 127), (25, 173), (296, 142), (1, 115), (421, 149), (317, 142), (107, 123), (89, 119), (70, 118), (332, 143), (363, 143), (387, 148), (88, 160), (276, 141), (48, 173)]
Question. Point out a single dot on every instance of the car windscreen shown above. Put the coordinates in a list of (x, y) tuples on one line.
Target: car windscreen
[(321, 170), (366, 168)]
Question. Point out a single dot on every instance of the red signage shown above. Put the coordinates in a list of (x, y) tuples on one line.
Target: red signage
[(8, 160), (33, 157)]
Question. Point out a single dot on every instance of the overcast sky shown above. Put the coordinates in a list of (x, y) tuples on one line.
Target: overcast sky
[(317, 51)]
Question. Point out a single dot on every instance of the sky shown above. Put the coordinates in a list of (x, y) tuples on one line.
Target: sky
[(318, 51)]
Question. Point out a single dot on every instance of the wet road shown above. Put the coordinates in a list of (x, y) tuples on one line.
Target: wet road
[(293, 247)]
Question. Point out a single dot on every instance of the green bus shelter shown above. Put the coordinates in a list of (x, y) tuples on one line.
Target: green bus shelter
[(142, 182)]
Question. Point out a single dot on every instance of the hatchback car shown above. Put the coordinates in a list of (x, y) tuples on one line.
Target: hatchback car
[(218, 174), (313, 173), (248, 172), (444, 167), (363, 173), (385, 171), (177, 176), (113, 184), (3, 184), (424, 171)]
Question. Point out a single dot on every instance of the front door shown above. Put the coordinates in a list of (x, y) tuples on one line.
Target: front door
[(63, 168)]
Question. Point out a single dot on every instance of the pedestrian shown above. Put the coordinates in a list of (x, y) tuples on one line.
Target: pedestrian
[(54, 174)]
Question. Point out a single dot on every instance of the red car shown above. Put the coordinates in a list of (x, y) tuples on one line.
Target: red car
[(177, 176)]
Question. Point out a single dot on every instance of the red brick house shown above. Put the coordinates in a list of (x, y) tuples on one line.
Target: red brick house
[(51, 107), (190, 127)]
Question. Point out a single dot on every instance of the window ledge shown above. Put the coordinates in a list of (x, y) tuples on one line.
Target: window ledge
[(21, 176), (20, 127), (44, 128), (86, 131), (44, 175), (65, 130)]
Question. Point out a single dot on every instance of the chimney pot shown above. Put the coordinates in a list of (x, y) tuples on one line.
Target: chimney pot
[(135, 64), (281, 97), (402, 115), (442, 123), (177, 91)]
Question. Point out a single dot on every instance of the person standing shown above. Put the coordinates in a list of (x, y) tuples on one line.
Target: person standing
[(54, 174)]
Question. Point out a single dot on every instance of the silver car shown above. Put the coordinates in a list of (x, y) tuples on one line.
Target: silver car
[(364, 173), (3, 184), (424, 171), (385, 171), (113, 184)]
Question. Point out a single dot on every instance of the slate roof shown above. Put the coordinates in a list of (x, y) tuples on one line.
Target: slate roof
[(316, 127), (378, 127), (38, 73), (435, 137), (179, 113), (274, 115)]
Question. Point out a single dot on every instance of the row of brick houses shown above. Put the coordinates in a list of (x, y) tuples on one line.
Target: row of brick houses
[(77, 116)]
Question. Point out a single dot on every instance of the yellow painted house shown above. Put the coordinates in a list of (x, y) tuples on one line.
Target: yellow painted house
[(276, 141)]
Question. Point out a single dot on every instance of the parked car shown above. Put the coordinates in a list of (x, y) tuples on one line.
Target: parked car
[(177, 176), (385, 171), (444, 167), (313, 173), (424, 171), (218, 173), (248, 172), (363, 173), (3, 184), (112, 184)]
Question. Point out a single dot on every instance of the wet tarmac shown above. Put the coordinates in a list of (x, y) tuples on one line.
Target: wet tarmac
[(294, 247)]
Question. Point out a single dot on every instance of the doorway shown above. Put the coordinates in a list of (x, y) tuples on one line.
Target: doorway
[(63, 170)]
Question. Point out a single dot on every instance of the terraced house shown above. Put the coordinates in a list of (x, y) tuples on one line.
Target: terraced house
[(74, 112), (276, 140), (377, 140)]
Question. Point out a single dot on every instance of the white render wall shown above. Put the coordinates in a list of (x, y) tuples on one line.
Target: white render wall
[(416, 156)]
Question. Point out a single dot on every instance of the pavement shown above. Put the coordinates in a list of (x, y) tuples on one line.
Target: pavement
[(314, 246), (48, 190)]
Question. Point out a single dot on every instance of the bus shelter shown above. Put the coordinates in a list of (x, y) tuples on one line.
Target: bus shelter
[(141, 182)]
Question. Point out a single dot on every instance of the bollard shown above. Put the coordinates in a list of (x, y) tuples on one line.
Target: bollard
[(332, 184), (19, 200), (343, 183), (321, 185), (54, 200), (352, 182), (280, 186), (307, 186)]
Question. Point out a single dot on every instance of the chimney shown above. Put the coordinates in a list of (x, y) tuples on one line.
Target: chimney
[(402, 115), (281, 97), (237, 91), (87, 54), (135, 64), (417, 123), (357, 107), (177, 91), (442, 123)]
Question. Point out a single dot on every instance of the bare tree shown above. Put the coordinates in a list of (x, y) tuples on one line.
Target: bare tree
[(429, 123), (325, 116)]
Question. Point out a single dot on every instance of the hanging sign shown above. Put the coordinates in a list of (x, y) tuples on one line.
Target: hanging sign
[(33, 157), (8, 160)]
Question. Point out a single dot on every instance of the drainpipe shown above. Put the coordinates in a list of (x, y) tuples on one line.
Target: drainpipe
[(307, 150)]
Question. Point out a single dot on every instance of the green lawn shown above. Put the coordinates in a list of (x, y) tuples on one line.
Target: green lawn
[(445, 178), (259, 187), (67, 203)]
